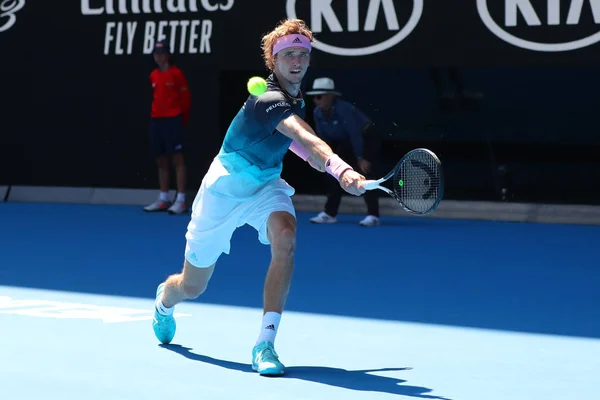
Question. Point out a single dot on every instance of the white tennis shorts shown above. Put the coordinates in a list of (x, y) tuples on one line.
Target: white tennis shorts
[(216, 215)]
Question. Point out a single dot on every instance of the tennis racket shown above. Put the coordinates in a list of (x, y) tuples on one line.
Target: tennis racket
[(417, 181)]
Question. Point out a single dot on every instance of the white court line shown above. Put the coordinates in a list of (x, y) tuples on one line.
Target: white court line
[(68, 310)]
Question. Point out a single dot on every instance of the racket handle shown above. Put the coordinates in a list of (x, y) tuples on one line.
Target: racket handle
[(371, 184)]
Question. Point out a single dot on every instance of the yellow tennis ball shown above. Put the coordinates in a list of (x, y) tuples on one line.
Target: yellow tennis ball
[(257, 86)]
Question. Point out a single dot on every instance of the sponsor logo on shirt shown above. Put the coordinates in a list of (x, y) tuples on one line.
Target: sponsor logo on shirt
[(280, 104)]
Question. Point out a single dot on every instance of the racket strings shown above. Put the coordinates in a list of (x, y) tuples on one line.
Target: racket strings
[(417, 182)]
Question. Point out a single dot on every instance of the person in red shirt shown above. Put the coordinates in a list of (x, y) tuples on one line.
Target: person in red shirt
[(169, 116)]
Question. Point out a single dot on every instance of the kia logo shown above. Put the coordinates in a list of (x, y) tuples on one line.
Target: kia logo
[(548, 17), (322, 11)]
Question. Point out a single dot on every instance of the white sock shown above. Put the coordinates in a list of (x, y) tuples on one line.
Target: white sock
[(163, 196), (160, 307), (270, 324), (180, 197)]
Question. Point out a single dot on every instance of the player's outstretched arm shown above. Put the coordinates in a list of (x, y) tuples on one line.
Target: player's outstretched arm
[(321, 154)]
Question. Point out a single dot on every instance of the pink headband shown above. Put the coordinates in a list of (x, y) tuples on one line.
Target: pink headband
[(292, 40)]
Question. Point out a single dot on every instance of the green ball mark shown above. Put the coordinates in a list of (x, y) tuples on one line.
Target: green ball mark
[(401, 182)]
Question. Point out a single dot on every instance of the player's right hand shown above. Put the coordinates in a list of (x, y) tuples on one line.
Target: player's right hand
[(352, 182)]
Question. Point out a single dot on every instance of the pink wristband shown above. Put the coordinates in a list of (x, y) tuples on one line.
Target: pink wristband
[(299, 150), (335, 166)]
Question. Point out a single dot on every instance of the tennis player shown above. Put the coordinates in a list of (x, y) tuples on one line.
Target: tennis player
[(243, 186)]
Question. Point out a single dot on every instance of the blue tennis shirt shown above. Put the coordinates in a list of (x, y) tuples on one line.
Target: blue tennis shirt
[(253, 149)]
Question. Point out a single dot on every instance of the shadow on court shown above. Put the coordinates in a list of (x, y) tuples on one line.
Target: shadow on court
[(360, 380)]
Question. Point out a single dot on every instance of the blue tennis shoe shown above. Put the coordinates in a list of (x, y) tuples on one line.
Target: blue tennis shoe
[(265, 360), (164, 325)]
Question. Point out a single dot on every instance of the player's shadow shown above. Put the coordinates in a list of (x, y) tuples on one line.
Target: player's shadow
[(360, 380)]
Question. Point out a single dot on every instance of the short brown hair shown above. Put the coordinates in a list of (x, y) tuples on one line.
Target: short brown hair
[(285, 27)]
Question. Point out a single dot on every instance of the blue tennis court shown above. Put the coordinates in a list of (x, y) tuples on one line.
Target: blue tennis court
[(416, 308)]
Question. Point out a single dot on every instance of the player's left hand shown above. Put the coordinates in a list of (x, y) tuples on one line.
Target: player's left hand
[(352, 182), (315, 165)]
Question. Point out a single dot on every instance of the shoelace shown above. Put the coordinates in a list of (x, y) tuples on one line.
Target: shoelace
[(268, 354)]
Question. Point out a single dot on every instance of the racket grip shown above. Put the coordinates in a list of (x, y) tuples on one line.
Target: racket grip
[(370, 184)]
